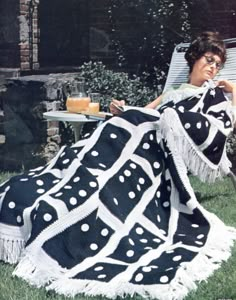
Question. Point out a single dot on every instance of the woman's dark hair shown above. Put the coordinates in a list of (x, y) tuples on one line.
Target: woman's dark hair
[(207, 42)]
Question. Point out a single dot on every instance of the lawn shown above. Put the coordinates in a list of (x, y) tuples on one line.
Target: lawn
[(219, 198)]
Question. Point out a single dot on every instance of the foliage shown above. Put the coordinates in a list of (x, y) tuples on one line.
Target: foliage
[(231, 144), (118, 85), (150, 31)]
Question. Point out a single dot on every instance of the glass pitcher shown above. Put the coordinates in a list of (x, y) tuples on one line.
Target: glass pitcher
[(78, 101)]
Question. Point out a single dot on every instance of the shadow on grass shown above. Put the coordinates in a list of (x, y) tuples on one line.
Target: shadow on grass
[(206, 197)]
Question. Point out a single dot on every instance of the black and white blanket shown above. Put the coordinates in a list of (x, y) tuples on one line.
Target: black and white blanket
[(115, 214)]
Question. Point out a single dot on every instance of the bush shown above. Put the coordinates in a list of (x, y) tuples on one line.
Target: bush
[(231, 149), (116, 85)]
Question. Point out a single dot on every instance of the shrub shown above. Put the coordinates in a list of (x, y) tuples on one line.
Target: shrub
[(118, 85)]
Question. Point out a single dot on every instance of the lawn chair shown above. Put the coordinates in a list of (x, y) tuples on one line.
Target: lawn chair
[(178, 71)]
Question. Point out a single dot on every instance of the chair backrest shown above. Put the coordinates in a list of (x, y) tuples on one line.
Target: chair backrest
[(178, 70)]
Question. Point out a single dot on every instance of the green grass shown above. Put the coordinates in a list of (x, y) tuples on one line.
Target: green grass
[(218, 198)]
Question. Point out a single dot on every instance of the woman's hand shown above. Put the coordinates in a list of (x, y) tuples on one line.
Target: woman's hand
[(227, 86), (114, 110)]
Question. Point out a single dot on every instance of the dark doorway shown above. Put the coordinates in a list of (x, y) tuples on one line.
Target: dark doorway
[(64, 32)]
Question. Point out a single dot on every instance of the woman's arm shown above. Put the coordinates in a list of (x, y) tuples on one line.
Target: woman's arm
[(230, 87), (115, 111)]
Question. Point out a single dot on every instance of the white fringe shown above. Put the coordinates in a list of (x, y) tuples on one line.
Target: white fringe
[(11, 249), (180, 145), (209, 258)]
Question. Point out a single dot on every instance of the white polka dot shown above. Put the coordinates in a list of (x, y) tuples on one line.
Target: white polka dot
[(139, 277), (166, 204), (115, 201), (104, 232), (131, 242), (113, 135), (82, 193), (7, 188), (63, 153), (164, 279), (94, 153), (131, 195), (127, 173), (76, 179), (138, 187), (39, 182), (24, 179), (146, 146), (141, 180), (133, 166), (206, 123), (215, 149), (187, 126), (40, 191), (177, 258), (148, 248), (12, 205), (151, 137), (68, 187), (158, 218), (56, 181), (156, 240), (93, 246), (31, 174), (158, 194), (93, 184), (58, 194), (102, 276), (181, 109), (47, 217), (144, 241), (73, 201), (228, 123), (199, 243), (156, 165), (99, 268), (18, 219), (65, 161), (146, 269), (130, 253), (200, 236), (199, 125), (195, 225), (121, 178), (168, 188), (102, 165), (139, 230), (156, 202), (85, 227)]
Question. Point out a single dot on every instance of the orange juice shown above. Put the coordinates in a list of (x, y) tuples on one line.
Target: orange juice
[(77, 104), (93, 107)]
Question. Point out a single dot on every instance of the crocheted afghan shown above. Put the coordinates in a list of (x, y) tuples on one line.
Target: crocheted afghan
[(115, 214)]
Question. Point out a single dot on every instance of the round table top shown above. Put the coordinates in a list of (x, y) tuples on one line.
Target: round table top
[(63, 115)]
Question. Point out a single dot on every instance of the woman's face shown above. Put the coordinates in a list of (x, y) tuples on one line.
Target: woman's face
[(206, 67)]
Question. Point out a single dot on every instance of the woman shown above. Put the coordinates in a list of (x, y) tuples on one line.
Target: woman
[(205, 57), (116, 214)]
